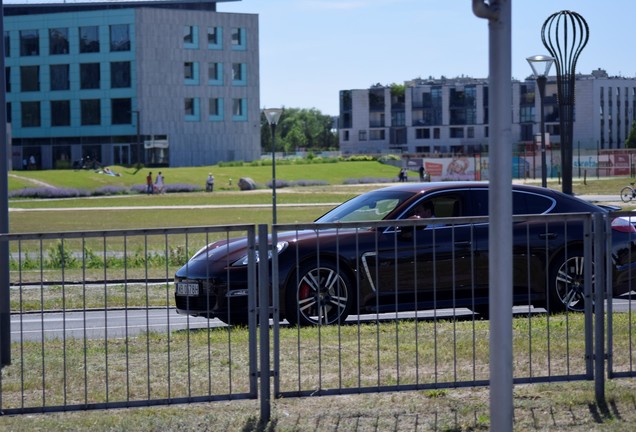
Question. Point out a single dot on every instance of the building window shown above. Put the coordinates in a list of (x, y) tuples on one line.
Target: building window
[(215, 73), (7, 79), (377, 134), (215, 38), (30, 114), (238, 74), (436, 133), (58, 41), (191, 73), (61, 113), (362, 135), (120, 37), (239, 109), (238, 39), (457, 132), (345, 136), (89, 39), (422, 133), (59, 77), (526, 114), (29, 43), (190, 37), (29, 78), (120, 75), (121, 111), (89, 76), (7, 44), (91, 112), (192, 109), (188, 34), (215, 109)]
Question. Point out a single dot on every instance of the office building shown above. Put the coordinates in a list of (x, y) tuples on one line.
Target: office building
[(450, 115), (163, 83)]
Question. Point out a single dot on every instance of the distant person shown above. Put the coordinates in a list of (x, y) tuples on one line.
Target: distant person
[(159, 183), (25, 164), (32, 162), (401, 175), (149, 186), (209, 183), (422, 172)]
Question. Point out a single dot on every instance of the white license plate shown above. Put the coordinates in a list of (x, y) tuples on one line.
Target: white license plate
[(187, 288)]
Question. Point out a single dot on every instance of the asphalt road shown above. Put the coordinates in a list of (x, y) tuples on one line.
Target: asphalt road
[(122, 323)]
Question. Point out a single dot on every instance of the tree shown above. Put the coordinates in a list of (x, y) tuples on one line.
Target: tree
[(630, 142), (300, 128)]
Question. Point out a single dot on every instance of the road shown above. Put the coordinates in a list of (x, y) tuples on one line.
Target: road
[(121, 323)]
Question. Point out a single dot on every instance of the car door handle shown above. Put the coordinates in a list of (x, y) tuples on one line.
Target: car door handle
[(548, 236)]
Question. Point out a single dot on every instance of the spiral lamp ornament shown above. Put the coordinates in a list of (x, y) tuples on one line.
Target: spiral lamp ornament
[(565, 34)]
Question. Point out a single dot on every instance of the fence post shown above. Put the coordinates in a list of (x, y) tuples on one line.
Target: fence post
[(600, 242), (252, 308), (263, 322)]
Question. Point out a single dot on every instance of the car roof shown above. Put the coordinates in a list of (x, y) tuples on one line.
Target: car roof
[(425, 187)]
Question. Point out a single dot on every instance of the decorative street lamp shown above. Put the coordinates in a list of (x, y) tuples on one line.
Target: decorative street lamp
[(540, 65), (273, 115), (565, 34)]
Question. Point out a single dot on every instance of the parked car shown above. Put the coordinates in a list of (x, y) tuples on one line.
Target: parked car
[(326, 274)]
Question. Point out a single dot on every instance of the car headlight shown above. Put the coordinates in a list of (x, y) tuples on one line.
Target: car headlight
[(243, 261)]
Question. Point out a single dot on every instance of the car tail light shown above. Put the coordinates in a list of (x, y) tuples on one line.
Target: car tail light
[(623, 225)]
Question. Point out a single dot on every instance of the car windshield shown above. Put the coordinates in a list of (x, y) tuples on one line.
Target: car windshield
[(372, 206)]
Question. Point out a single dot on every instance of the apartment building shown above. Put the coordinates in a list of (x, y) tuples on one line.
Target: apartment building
[(161, 82), (450, 115)]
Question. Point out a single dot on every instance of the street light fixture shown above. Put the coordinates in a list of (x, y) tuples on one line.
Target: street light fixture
[(564, 35), (541, 65), (273, 115), (138, 144)]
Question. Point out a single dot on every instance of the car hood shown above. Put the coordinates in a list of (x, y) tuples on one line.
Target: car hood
[(230, 251)]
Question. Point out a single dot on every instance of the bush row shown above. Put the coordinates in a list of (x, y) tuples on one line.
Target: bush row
[(57, 257), (54, 192)]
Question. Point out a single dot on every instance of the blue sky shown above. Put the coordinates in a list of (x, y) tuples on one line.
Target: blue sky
[(312, 49)]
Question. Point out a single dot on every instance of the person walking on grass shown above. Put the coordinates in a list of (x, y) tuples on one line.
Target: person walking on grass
[(149, 187), (159, 186)]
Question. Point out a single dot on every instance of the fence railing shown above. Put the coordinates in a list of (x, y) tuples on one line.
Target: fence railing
[(93, 321), (93, 324)]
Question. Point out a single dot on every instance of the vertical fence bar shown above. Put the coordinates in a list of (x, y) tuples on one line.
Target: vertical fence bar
[(600, 241), (275, 312), (591, 260), (263, 311), (251, 301), (609, 294)]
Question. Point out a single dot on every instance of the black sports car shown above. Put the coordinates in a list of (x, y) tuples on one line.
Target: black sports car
[(325, 274)]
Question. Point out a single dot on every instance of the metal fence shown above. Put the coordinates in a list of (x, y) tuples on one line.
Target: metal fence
[(93, 321), (93, 324)]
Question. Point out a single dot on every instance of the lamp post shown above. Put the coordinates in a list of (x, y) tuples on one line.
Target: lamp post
[(541, 65), (273, 115), (564, 35), (137, 150)]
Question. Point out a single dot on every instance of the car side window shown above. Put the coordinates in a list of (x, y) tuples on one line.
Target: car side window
[(443, 206), (479, 202), (530, 203)]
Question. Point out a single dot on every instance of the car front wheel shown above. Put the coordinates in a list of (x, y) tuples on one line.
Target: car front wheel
[(319, 295)]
